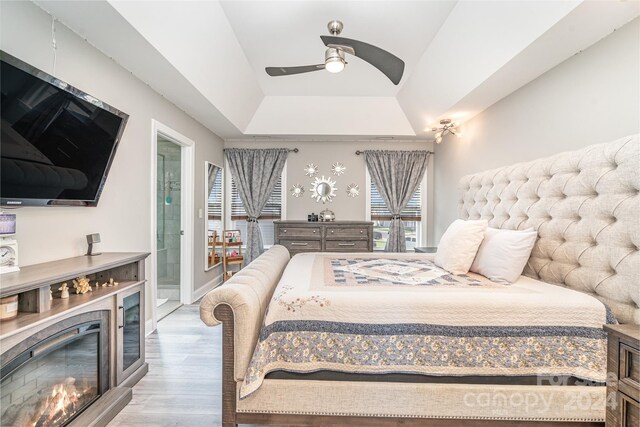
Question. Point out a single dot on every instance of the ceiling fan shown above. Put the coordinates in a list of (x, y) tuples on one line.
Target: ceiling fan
[(334, 57)]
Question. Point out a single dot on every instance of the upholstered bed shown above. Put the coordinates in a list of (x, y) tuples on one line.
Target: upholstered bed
[(584, 206)]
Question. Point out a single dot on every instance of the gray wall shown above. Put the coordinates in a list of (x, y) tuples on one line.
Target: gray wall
[(592, 97), (123, 215), (323, 154)]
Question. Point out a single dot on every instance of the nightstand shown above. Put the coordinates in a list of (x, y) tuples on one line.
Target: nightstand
[(623, 375), (426, 249)]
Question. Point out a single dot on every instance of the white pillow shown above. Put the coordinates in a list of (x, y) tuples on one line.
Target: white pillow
[(503, 254), (459, 245)]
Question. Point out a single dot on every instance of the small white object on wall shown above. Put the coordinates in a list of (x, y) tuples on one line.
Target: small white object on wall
[(297, 190), (338, 168), (311, 170), (353, 190)]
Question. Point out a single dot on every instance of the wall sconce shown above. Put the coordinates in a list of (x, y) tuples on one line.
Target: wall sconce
[(446, 126)]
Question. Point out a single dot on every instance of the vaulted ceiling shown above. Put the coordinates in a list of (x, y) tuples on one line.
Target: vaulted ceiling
[(208, 57)]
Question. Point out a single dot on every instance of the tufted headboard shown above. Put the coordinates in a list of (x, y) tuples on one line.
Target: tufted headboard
[(586, 209)]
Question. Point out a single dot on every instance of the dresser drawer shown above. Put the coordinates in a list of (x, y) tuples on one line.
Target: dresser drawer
[(347, 233), (295, 232), (629, 372), (302, 245), (347, 246), (628, 411)]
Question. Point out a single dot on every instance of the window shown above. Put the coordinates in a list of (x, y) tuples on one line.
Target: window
[(271, 212), (412, 216)]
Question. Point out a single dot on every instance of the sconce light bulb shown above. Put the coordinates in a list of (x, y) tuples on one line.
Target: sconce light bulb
[(438, 140)]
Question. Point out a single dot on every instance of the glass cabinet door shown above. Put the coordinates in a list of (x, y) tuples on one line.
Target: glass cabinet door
[(130, 322), (130, 330)]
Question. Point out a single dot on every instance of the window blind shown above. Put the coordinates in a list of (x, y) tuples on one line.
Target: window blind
[(214, 209), (412, 212), (272, 210)]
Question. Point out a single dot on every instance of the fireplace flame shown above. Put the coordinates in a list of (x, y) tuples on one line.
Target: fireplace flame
[(64, 397), (63, 402)]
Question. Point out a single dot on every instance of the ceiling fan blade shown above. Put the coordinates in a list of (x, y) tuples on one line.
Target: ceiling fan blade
[(287, 71), (390, 65)]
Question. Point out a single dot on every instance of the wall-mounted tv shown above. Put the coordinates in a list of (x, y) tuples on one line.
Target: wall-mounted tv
[(57, 142)]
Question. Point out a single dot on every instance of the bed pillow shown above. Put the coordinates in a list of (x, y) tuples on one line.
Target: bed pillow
[(459, 245), (503, 254)]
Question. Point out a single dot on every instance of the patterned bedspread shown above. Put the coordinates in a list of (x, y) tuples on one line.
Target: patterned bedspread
[(399, 313)]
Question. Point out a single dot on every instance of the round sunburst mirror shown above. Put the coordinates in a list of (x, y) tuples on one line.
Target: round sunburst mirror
[(353, 190), (297, 190), (311, 170), (338, 168), (323, 189)]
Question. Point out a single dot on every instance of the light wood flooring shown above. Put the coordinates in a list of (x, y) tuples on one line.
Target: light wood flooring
[(183, 386)]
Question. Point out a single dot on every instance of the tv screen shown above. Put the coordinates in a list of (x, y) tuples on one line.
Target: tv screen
[(56, 142)]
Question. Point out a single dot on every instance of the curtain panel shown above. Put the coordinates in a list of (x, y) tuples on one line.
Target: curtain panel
[(397, 175), (255, 173)]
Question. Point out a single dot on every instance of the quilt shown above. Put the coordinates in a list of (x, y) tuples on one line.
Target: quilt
[(400, 313)]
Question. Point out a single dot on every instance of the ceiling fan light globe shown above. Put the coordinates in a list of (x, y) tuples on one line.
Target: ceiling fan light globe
[(334, 65)]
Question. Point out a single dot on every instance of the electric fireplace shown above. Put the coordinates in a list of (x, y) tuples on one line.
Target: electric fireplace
[(54, 375)]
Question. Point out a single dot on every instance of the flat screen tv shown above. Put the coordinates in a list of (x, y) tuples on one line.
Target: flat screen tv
[(57, 142)]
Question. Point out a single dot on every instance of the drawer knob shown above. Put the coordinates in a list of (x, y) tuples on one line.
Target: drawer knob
[(332, 231), (284, 231), (361, 231), (314, 231)]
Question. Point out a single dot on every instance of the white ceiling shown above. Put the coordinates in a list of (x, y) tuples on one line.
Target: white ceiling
[(286, 33), (208, 57)]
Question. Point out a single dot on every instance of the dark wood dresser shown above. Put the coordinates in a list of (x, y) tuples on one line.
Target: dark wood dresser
[(623, 379), (335, 236)]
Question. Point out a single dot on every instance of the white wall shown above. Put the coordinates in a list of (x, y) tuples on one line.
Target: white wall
[(323, 154), (592, 97), (122, 216)]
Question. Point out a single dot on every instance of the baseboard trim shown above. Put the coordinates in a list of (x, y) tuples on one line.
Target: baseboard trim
[(202, 290)]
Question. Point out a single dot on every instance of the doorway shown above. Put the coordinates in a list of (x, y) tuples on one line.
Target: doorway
[(168, 225), (172, 221)]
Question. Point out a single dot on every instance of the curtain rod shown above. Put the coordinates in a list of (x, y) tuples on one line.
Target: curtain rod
[(295, 150), (358, 152)]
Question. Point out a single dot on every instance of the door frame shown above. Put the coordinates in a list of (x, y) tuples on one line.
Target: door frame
[(187, 172)]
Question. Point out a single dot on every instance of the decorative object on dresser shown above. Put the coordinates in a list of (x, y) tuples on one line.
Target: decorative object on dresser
[(623, 381), (327, 215), (102, 331), (231, 253), (8, 245), (335, 236)]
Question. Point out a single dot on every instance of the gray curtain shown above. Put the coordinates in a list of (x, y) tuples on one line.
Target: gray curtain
[(397, 175), (255, 173), (212, 173)]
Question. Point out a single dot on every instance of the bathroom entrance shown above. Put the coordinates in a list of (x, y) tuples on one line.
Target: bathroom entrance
[(169, 229)]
